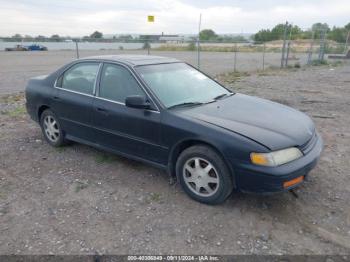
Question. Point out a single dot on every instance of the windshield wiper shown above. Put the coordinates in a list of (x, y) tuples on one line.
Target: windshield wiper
[(200, 103), (222, 96), (186, 104)]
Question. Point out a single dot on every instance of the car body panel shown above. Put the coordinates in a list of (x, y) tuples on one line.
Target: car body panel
[(75, 113), (274, 125), (130, 130), (234, 126), (258, 179)]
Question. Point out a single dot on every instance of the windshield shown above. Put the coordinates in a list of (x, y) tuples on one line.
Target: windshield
[(180, 84)]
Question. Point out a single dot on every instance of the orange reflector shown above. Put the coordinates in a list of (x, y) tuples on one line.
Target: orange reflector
[(293, 182)]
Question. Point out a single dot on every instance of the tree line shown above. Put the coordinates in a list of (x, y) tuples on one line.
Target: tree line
[(338, 34), (210, 35), (57, 38)]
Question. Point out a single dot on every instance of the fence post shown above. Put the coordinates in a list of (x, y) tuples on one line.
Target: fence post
[(235, 59), (309, 57), (77, 48), (198, 54), (198, 42), (346, 43), (263, 58), (322, 45), (287, 56), (284, 43)]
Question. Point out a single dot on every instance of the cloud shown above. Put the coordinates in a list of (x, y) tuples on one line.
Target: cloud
[(77, 18)]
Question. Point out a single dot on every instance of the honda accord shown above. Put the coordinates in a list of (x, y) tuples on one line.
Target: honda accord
[(166, 113)]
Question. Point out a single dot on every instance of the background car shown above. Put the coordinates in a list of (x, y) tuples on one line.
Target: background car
[(36, 47)]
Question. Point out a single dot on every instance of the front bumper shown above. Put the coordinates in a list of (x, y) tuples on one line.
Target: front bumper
[(260, 179)]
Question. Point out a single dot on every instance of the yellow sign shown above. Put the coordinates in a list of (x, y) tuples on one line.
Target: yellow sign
[(150, 18)]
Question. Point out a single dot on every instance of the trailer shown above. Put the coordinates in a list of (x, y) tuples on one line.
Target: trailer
[(33, 47), (16, 48)]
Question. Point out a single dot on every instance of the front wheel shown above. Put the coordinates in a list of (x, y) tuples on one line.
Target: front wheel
[(204, 175)]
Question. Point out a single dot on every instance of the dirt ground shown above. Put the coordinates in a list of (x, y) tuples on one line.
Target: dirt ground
[(78, 200)]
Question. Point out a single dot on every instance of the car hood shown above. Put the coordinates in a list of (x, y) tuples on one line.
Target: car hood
[(271, 124)]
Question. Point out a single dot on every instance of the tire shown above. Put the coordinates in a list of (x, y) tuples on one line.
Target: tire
[(204, 175), (51, 129)]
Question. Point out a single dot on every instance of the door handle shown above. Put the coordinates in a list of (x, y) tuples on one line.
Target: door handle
[(102, 110), (56, 98)]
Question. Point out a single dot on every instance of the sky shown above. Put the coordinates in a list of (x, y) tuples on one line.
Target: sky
[(82, 17)]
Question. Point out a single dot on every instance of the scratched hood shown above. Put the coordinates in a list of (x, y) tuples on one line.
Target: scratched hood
[(274, 125)]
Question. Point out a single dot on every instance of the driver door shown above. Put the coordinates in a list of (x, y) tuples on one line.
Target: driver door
[(120, 128)]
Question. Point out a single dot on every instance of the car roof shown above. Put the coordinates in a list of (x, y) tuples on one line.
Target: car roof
[(134, 60)]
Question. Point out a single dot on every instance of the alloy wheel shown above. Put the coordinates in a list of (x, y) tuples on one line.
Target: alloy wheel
[(201, 177), (51, 129)]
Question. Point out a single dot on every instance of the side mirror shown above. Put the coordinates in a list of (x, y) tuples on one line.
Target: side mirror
[(137, 102)]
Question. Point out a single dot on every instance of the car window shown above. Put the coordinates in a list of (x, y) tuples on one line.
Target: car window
[(117, 83), (80, 78)]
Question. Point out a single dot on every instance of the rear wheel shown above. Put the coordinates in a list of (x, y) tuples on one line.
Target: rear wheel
[(51, 128), (204, 175)]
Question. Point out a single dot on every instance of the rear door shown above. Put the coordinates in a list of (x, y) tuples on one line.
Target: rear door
[(73, 101), (123, 129)]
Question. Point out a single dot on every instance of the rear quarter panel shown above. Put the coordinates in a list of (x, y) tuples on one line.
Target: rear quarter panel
[(38, 92)]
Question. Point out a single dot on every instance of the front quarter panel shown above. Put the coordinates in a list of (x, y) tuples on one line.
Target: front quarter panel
[(234, 148)]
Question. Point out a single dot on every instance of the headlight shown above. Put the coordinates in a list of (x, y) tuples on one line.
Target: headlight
[(276, 158)]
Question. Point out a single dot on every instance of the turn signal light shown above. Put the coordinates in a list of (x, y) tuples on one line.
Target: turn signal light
[(293, 182), (259, 159)]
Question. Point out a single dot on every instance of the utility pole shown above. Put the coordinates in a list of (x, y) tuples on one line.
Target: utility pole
[(284, 43), (198, 42), (150, 19)]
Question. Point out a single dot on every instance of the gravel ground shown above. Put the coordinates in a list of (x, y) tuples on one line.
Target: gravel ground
[(17, 67), (78, 200)]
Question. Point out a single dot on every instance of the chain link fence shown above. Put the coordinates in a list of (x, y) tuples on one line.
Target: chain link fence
[(210, 56)]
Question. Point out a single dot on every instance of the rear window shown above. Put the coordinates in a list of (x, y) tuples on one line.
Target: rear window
[(79, 78)]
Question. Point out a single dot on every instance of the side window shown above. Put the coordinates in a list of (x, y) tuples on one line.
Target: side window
[(117, 83), (80, 78)]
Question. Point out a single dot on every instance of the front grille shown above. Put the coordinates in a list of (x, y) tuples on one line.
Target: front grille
[(308, 146)]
